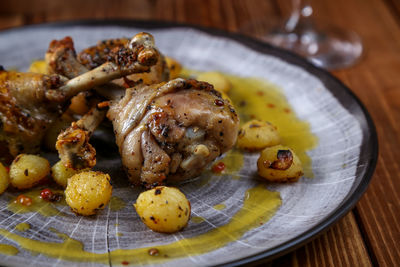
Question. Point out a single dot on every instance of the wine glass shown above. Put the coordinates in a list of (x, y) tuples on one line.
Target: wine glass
[(326, 46)]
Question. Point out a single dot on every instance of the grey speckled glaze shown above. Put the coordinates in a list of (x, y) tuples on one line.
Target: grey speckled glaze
[(341, 162)]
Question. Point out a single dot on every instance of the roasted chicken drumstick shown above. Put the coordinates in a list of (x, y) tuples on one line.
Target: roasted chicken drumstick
[(29, 102), (171, 130)]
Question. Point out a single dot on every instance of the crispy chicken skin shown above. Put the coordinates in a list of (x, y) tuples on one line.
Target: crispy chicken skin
[(172, 131)]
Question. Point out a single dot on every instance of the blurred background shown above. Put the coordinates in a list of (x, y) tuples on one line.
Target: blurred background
[(224, 14)]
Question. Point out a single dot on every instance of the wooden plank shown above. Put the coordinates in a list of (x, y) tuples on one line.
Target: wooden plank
[(341, 245), (376, 81)]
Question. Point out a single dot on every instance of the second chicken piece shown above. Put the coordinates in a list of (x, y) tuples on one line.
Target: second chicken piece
[(171, 131)]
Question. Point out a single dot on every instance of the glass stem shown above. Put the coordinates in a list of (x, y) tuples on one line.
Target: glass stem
[(300, 16)]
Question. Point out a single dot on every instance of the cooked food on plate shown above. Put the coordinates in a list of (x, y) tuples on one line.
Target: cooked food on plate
[(163, 209), (168, 128), (30, 102)]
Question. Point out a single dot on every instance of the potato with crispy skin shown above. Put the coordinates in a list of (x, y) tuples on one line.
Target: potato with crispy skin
[(4, 178), (256, 135), (28, 170), (88, 191), (163, 209), (279, 164)]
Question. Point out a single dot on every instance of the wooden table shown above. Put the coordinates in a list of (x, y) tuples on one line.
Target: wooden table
[(370, 233)]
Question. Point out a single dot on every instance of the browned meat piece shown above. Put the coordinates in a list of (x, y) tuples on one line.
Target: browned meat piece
[(73, 145), (94, 56), (61, 59), (172, 131), (30, 102)]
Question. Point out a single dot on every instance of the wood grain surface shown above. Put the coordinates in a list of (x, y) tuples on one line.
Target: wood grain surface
[(369, 235)]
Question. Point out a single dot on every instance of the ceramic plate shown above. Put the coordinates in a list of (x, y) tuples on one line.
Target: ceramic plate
[(226, 228)]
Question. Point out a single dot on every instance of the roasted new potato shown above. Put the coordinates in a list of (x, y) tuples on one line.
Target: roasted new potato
[(27, 170), (256, 135), (61, 174), (218, 80), (163, 209), (4, 179), (174, 68), (88, 191), (279, 164)]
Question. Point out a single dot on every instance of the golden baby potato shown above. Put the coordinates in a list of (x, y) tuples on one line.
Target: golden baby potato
[(219, 81), (38, 66), (4, 179), (61, 174), (163, 209), (27, 170), (88, 191), (279, 164), (256, 135), (174, 68)]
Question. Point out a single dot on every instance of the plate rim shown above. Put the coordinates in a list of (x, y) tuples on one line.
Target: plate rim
[(369, 142)]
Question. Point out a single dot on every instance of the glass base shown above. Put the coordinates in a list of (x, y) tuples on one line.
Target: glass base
[(327, 47)]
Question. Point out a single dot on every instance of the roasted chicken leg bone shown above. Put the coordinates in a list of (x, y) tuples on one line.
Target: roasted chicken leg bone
[(171, 131), (138, 57), (30, 102), (94, 56), (73, 144)]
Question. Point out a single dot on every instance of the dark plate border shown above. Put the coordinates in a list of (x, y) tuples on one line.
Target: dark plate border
[(369, 147)]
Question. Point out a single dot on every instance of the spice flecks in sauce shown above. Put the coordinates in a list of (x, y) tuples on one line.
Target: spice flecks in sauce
[(39, 205), (259, 205), (69, 249)]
